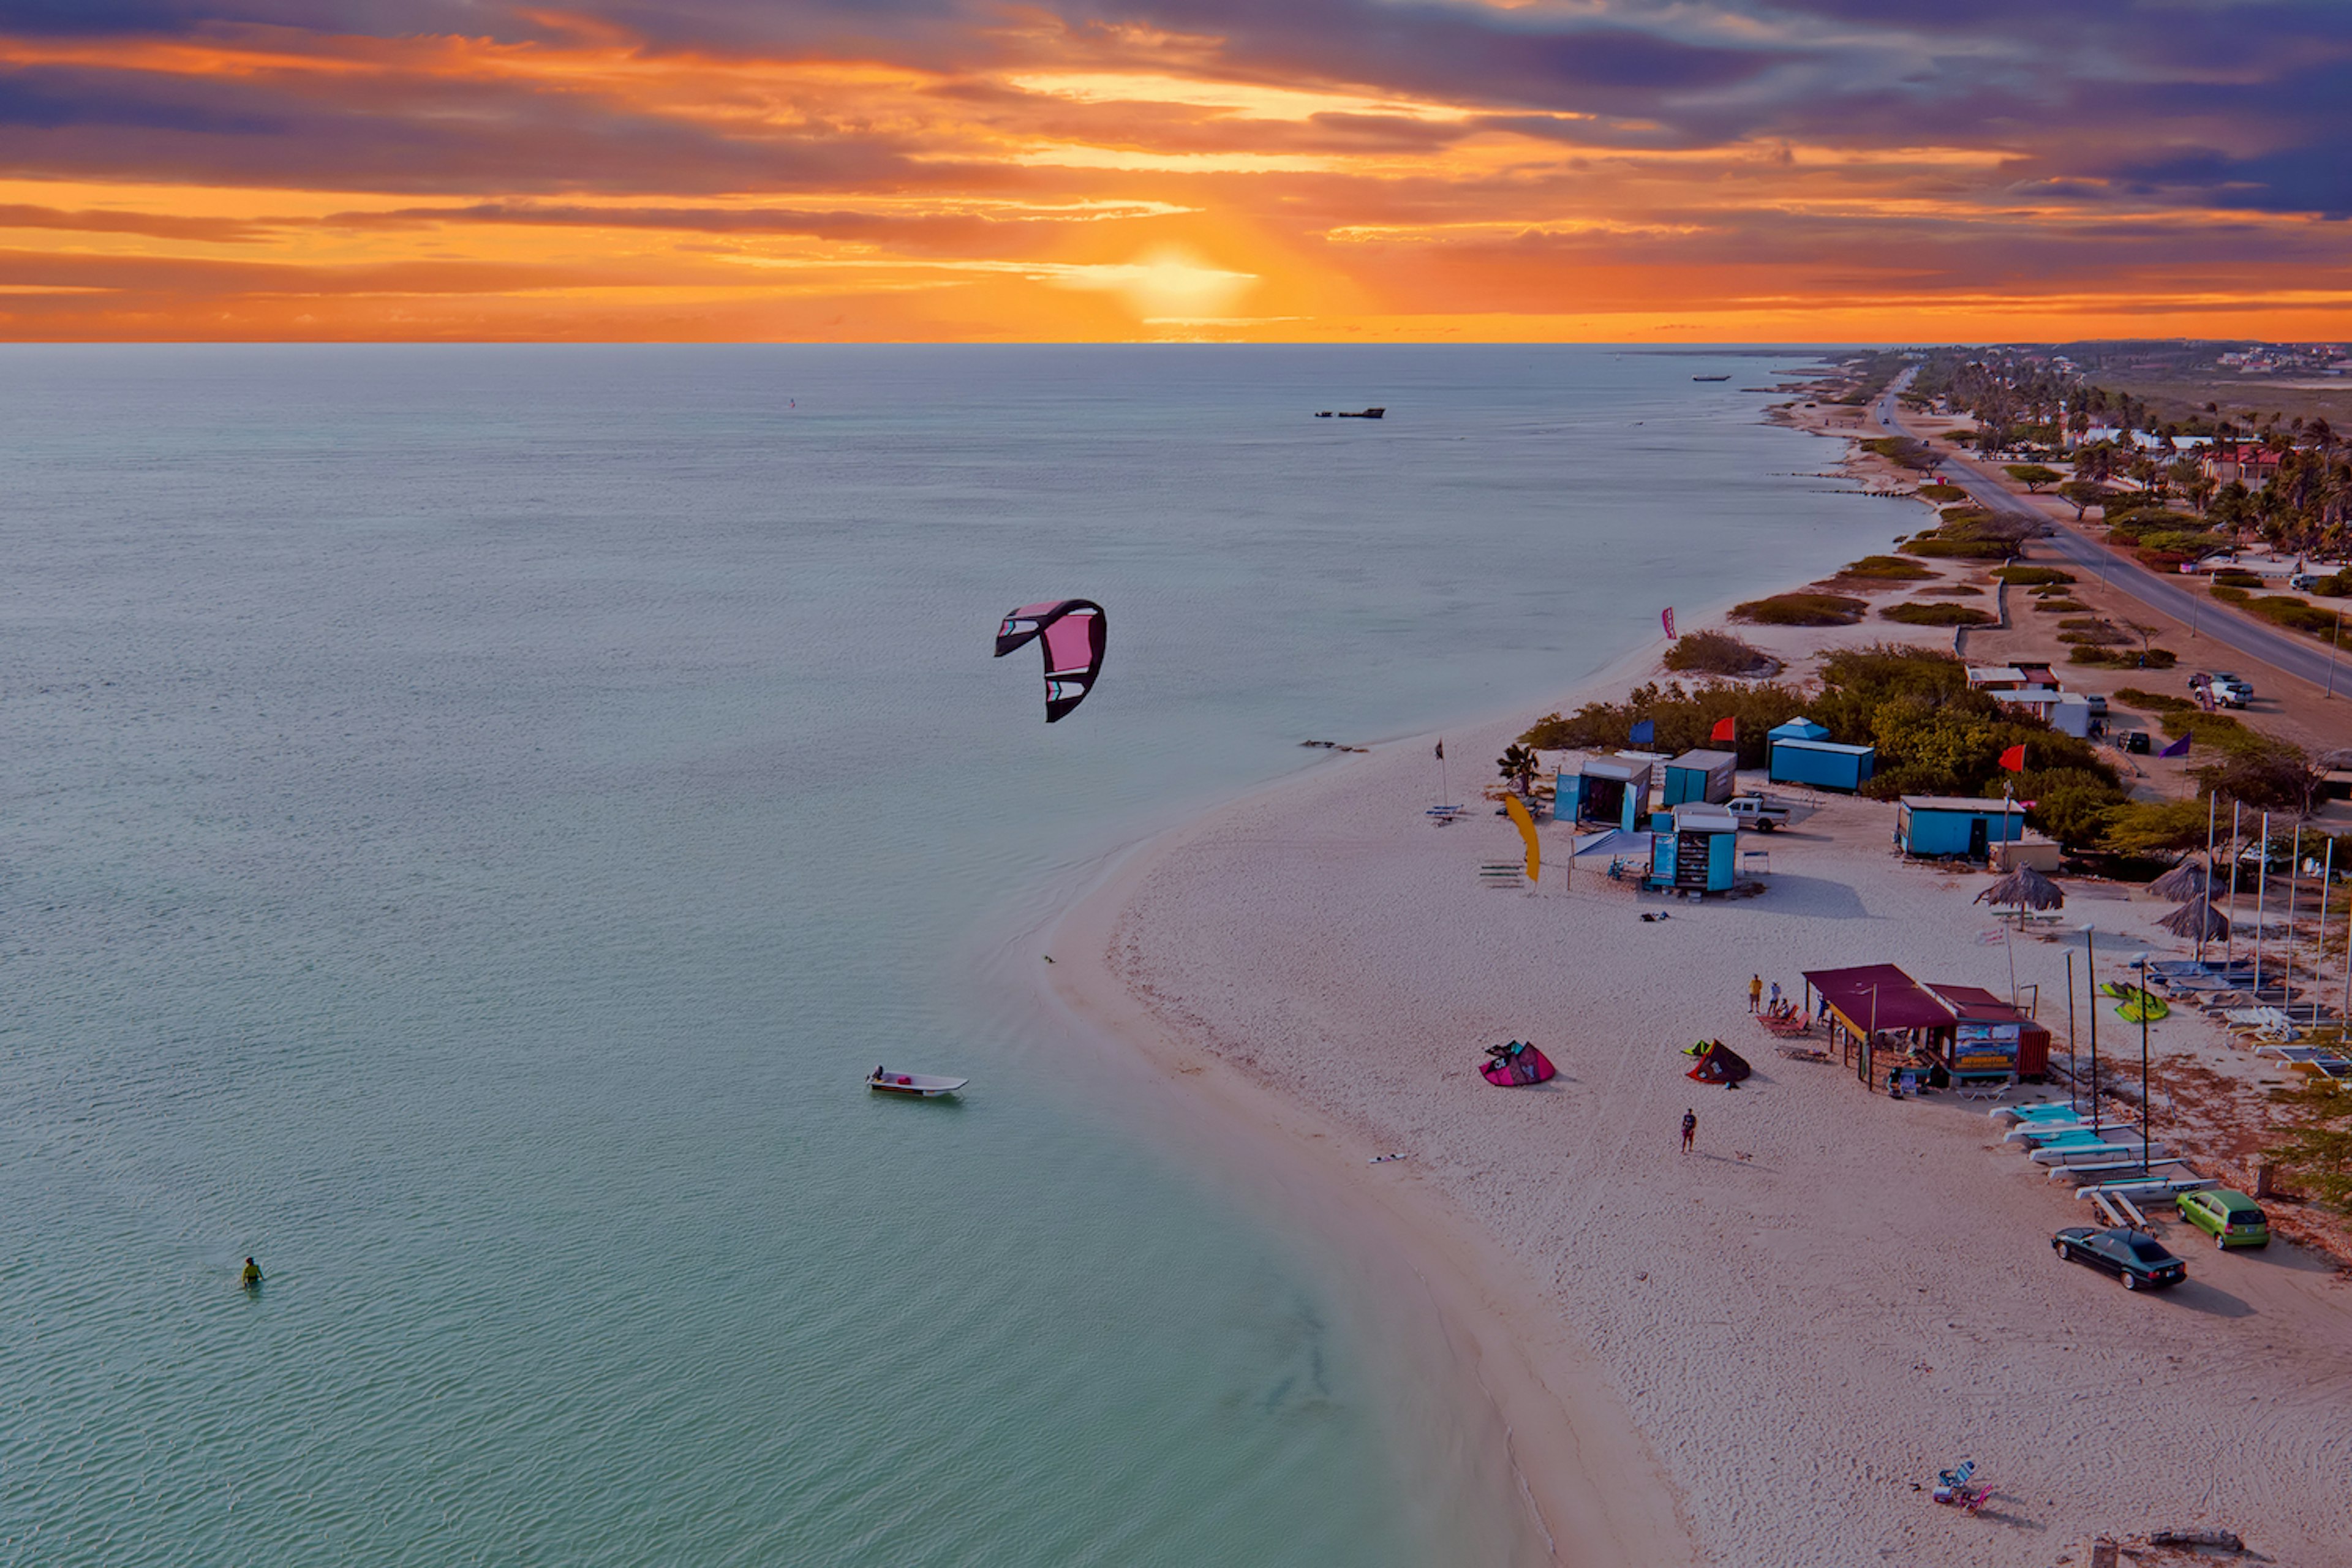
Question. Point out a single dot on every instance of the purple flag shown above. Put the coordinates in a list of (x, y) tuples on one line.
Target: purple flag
[(2178, 749)]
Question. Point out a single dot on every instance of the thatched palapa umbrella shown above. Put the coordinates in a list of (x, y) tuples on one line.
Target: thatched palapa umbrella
[(2190, 880), (2024, 889), (2198, 921)]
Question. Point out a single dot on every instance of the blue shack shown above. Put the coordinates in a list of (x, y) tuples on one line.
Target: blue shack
[(1611, 791), (1940, 825), (1800, 752), (1694, 848), (1707, 777)]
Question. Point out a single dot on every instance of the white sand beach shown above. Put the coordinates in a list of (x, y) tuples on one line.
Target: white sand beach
[(1763, 1352)]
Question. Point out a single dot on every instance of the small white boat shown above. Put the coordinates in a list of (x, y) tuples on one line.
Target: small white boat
[(884, 1082)]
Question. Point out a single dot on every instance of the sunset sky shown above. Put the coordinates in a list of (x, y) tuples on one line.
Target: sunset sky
[(1371, 170)]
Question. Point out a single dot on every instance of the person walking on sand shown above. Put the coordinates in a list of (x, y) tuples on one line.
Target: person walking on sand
[(1690, 1129), (1755, 993)]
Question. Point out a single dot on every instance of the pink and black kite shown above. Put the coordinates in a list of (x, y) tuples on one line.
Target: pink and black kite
[(1073, 631)]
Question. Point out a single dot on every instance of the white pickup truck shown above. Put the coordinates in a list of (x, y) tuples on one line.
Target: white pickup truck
[(1760, 812)]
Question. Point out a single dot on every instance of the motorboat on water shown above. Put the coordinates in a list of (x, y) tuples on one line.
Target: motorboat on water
[(882, 1080)]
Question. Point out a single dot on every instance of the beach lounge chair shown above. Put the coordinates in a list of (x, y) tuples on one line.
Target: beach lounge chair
[(2051, 1133)]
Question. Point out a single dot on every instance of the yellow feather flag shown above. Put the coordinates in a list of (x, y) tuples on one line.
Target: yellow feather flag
[(1527, 831)]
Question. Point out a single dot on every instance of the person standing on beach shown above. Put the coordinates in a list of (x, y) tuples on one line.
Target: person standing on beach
[(1690, 1129), (1755, 993), (1775, 995)]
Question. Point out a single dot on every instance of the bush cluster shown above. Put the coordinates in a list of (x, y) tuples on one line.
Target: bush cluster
[(2123, 658), (1802, 609), (1719, 652), (1918, 615), (2018, 576), (2058, 606), (1889, 568)]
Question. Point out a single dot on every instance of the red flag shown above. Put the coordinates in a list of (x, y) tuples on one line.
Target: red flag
[(1669, 619), (2013, 758), (1725, 728)]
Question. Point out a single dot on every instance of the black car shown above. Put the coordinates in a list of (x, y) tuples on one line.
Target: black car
[(2135, 1258)]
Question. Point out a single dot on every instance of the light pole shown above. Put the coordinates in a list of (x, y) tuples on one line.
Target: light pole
[(2146, 1107)]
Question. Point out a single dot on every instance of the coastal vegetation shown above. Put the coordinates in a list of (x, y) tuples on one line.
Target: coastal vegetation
[(1889, 568), (1942, 494), (1972, 534), (1802, 609), (1718, 653), (1918, 615), (2021, 576), (2059, 606), (2123, 658), (2318, 1144)]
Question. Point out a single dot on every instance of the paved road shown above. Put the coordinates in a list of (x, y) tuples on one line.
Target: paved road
[(2218, 628)]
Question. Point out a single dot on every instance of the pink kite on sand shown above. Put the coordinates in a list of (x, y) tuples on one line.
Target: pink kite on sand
[(1519, 1063)]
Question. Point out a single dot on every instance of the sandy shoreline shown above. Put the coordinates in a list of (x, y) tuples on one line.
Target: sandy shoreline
[(1756, 1355)]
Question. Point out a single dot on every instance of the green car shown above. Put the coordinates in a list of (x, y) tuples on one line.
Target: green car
[(2232, 1219)]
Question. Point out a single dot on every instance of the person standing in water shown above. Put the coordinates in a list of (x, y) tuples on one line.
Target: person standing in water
[(252, 1275), (1690, 1129)]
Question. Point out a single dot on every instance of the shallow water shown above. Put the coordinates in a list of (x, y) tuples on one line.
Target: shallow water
[(472, 816)]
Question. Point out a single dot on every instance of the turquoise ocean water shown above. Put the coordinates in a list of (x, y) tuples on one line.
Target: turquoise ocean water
[(471, 815)]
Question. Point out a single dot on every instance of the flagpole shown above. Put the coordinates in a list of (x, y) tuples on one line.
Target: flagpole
[(2230, 941), (2211, 804), (2261, 892), (1441, 790), (2293, 865)]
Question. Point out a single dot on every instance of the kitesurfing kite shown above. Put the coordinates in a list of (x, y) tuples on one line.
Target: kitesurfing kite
[(1072, 632)]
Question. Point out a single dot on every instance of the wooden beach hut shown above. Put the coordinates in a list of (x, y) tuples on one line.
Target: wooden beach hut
[(1709, 777), (1938, 826), (1800, 752), (1988, 1037), (1694, 848)]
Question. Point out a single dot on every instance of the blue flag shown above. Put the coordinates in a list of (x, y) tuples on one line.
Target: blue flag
[(2178, 749), (1643, 734)]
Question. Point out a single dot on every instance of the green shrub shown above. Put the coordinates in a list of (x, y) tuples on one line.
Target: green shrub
[(1944, 548), (2124, 657), (1954, 591), (2034, 576), (2296, 614), (2155, 701), (2230, 595), (1942, 494), (2146, 829), (1685, 718), (1892, 568), (1918, 615), (1801, 610), (1719, 652), (2238, 579), (2089, 630), (2058, 606)]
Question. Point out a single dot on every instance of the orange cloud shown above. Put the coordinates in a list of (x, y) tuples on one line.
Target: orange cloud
[(1336, 169)]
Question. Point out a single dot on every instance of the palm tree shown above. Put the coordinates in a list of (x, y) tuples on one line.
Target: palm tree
[(1518, 765)]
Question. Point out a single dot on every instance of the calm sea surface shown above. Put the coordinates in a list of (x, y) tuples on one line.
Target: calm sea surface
[(471, 815)]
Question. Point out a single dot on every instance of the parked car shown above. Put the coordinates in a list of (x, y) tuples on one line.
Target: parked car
[(2134, 1256), (2230, 1217), (1760, 812), (2136, 743), (2229, 691)]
